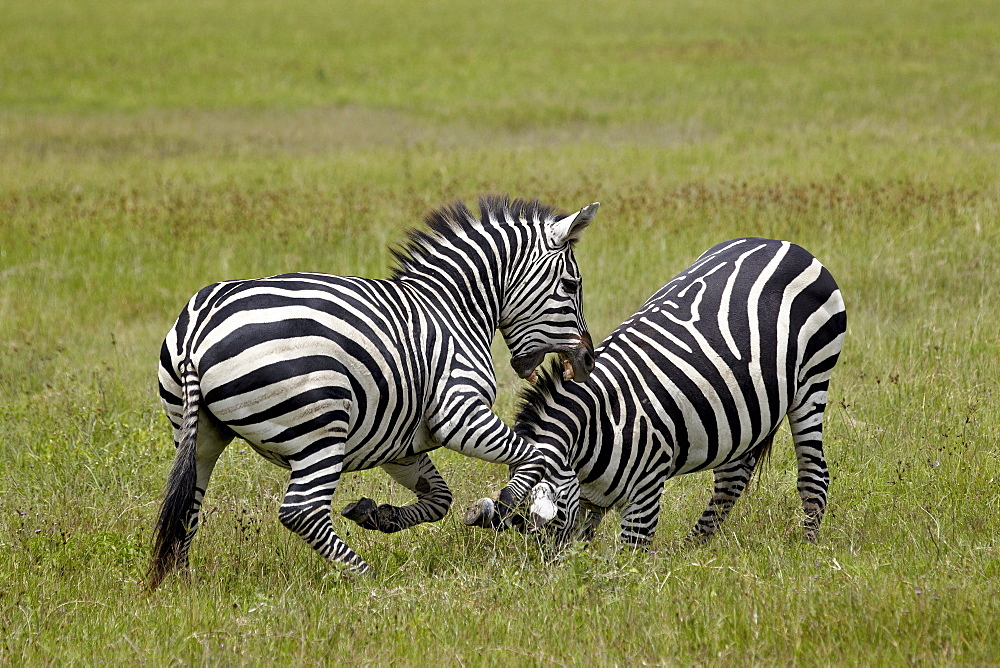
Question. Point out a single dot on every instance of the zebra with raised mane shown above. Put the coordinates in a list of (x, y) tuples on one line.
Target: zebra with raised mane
[(699, 378), (325, 374)]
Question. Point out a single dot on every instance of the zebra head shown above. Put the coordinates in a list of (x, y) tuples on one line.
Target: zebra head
[(547, 419), (543, 307)]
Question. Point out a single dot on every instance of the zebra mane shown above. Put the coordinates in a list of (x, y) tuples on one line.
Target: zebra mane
[(455, 219), (532, 399)]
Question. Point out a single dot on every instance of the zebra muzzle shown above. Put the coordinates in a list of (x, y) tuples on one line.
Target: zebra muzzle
[(567, 374), (577, 361), (543, 505)]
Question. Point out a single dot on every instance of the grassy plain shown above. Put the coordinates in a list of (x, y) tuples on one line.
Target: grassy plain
[(147, 149)]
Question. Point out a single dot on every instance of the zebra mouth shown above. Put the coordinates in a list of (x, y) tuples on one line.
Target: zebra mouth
[(577, 363), (526, 366), (568, 372)]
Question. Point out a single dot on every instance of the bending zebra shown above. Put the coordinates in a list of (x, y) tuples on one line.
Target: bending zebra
[(700, 377), (325, 374)]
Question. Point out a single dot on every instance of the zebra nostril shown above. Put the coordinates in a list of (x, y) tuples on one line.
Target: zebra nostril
[(588, 360)]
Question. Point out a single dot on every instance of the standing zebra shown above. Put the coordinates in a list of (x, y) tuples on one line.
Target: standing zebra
[(325, 374), (700, 377)]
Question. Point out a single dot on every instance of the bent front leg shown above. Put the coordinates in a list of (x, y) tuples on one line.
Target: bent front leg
[(417, 474)]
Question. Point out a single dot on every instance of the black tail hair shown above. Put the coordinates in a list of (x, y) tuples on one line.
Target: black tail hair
[(172, 526), (763, 453)]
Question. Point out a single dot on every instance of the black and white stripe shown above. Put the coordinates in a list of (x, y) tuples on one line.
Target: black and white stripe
[(699, 378), (327, 374)]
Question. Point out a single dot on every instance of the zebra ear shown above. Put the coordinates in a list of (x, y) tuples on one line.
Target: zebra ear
[(568, 229)]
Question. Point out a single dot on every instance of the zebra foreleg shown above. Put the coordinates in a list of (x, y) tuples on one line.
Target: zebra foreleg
[(591, 522), (640, 518), (418, 474), (730, 481), (472, 429), (306, 507)]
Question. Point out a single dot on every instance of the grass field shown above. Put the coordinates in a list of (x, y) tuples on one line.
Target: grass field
[(148, 149)]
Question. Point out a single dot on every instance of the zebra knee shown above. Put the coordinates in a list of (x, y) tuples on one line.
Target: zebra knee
[(435, 503), (302, 519), (443, 499), (523, 477)]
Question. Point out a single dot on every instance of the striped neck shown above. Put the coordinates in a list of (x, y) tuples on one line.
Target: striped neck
[(463, 264), (554, 413), (460, 275)]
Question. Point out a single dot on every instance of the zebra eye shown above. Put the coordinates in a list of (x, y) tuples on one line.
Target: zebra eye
[(571, 285)]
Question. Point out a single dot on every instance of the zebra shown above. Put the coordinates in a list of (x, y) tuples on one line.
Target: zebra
[(325, 374), (699, 378)]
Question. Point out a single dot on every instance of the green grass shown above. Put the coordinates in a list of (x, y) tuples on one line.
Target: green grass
[(147, 150)]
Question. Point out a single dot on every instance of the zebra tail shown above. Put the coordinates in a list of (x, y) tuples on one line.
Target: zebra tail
[(762, 453), (172, 526)]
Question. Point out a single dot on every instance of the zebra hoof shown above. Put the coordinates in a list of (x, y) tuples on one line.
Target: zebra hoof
[(480, 514), (698, 536), (362, 512), (367, 515), (352, 573)]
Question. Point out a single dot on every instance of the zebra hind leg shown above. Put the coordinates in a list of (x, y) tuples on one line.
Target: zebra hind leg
[(806, 423), (731, 479), (418, 474), (306, 508)]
